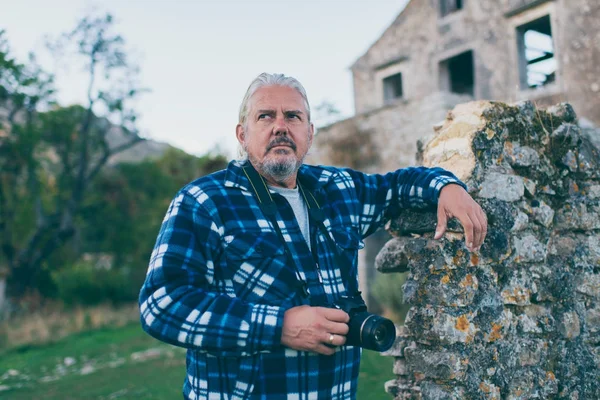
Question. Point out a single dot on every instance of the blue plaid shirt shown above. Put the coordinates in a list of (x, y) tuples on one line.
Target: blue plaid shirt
[(219, 280)]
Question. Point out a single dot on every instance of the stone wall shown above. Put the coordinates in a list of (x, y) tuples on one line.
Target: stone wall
[(521, 318)]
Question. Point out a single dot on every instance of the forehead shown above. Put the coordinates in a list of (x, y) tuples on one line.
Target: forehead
[(277, 97)]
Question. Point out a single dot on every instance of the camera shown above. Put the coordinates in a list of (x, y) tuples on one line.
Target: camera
[(369, 331)]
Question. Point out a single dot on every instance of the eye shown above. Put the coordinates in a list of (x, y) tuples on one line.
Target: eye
[(263, 116), (293, 115)]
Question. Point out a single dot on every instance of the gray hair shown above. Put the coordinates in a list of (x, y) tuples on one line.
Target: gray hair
[(262, 80), (266, 79)]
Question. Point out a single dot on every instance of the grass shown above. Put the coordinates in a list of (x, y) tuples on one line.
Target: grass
[(124, 363), (54, 321)]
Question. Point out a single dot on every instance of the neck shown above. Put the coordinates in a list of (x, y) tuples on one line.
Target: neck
[(284, 182), (289, 183)]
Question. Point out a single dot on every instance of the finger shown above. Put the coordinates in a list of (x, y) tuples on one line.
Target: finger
[(483, 222), (442, 220), (333, 340), (333, 314), (473, 215), (323, 349), (337, 328), (338, 340), (468, 228)]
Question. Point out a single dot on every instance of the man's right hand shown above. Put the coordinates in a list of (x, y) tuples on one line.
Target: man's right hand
[(309, 328)]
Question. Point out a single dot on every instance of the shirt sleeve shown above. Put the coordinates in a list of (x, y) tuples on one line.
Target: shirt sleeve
[(178, 303), (380, 197)]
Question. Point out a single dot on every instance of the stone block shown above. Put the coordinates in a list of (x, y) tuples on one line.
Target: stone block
[(536, 320), (524, 386), (569, 326), (593, 191), (592, 320), (521, 156), (451, 147), (499, 328), (521, 222), (419, 222), (563, 111), (530, 186), (437, 365), (502, 187), (489, 391), (578, 216), (435, 325), (452, 287), (392, 257), (543, 213), (593, 244), (589, 284), (531, 352), (528, 249), (518, 291), (435, 391), (401, 367)]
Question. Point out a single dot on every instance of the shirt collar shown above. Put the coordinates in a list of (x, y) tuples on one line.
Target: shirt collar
[(310, 177)]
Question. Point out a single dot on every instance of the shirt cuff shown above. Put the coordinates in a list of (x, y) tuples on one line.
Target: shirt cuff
[(266, 324), (438, 183)]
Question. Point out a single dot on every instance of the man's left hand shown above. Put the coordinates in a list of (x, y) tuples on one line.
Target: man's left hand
[(454, 201)]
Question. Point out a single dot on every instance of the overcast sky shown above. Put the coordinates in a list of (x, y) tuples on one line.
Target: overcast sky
[(198, 57)]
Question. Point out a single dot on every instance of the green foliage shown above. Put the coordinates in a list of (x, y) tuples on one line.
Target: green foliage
[(88, 284), (123, 215), (182, 168), (387, 290), (49, 159), (58, 200)]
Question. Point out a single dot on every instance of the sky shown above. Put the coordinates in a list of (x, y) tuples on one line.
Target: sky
[(198, 57)]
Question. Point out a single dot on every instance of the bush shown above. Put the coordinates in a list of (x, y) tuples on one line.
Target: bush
[(87, 284), (387, 290)]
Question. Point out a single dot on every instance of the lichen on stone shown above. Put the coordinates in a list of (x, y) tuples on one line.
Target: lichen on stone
[(520, 318)]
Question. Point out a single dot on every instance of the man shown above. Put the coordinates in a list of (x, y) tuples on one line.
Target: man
[(244, 289)]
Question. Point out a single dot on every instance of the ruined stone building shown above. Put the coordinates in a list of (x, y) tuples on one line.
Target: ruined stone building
[(439, 53)]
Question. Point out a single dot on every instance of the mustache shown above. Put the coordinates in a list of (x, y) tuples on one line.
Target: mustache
[(280, 141)]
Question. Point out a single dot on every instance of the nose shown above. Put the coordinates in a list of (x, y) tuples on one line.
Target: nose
[(280, 126)]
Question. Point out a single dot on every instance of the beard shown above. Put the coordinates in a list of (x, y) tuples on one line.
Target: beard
[(278, 168), (281, 169)]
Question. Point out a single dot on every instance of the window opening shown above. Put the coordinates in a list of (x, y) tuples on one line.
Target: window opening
[(537, 63), (392, 88), (450, 6), (458, 74)]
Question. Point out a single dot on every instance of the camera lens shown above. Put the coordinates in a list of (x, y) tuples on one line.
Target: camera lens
[(380, 333), (369, 331), (377, 333)]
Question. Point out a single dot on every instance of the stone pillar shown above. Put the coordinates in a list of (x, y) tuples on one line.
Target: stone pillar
[(521, 318)]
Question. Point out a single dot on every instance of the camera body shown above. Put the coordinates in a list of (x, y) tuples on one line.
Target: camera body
[(366, 330)]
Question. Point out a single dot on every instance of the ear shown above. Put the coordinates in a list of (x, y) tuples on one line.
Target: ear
[(311, 135), (240, 134)]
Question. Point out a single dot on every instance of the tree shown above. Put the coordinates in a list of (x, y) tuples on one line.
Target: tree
[(124, 212), (49, 159)]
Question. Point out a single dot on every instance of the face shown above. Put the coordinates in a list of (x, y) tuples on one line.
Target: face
[(277, 133)]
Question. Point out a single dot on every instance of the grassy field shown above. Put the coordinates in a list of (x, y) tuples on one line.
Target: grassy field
[(124, 363)]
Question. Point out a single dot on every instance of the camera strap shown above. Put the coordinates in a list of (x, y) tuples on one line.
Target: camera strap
[(315, 214), (269, 209)]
